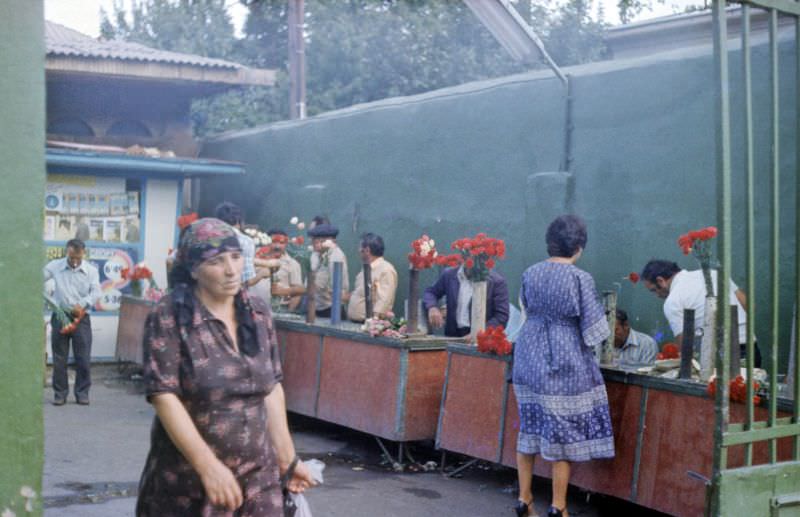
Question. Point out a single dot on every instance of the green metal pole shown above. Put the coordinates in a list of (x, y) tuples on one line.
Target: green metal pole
[(750, 225), (796, 405), (22, 167), (724, 249), (775, 233)]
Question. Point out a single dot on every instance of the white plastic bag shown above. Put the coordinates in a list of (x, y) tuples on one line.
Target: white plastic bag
[(303, 508)]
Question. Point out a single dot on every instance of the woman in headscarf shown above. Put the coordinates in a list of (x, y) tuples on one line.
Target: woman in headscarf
[(213, 375)]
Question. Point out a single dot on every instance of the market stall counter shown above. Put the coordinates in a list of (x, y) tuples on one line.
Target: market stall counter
[(663, 431), (389, 388)]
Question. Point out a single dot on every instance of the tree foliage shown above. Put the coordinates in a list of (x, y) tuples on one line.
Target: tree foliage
[(356, 50)]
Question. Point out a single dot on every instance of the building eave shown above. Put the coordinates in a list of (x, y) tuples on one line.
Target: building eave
[(61, 161), (149, 70)]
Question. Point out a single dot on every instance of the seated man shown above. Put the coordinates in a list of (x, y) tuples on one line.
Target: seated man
[(632, 347), (383, 281), (326, 254), (287, 281), (457, 289)]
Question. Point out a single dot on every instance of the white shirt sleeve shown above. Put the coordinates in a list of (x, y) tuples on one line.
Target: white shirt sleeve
[(673, 311)]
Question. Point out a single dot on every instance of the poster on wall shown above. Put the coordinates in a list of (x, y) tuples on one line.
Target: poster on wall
[(109, 263), (90, 208)]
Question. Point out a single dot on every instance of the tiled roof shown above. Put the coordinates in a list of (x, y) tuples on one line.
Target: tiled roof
[(63, 41)]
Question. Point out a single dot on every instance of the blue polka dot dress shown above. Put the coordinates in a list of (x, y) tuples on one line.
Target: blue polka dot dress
[(562, 401)]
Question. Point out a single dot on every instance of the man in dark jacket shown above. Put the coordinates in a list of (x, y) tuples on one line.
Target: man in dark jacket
[(457, 289)]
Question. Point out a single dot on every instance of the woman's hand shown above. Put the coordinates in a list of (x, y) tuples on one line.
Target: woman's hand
[(301, 479), (221, 486), (218, 481)]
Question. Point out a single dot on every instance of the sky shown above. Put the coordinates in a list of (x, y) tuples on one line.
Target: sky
[(84, 15)]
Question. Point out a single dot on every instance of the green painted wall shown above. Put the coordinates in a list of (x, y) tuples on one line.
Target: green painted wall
[(22, 169), (481, 157)]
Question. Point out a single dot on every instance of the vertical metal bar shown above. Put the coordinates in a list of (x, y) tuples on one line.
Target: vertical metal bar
[(311, 297), (566, 160), (336, 295), (367, 290), (796, 404), (501, 435), (637, 455), (775, 233), (735, 360), (413, 301), (722, 107), (442, 402), (750, 223), (687, 344), (607, 347)]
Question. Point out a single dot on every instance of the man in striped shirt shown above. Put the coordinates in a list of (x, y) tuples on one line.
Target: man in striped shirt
[(77, 288)]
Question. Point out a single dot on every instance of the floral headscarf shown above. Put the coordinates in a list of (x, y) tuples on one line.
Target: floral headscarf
[(202, 240), (205, 239)]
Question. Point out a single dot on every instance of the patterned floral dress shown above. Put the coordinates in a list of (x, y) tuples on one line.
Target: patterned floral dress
[(562, 401), (223, 391)]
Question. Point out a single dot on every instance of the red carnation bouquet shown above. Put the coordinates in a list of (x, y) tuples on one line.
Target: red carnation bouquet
[(68, 318), (424, 253), (452, 260), (493, 340), (737, 390), (140, 274), (669, 351), (478, 255), (698, 243)]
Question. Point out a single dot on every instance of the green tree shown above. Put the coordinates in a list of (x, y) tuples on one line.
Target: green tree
[(356, 50), (201, 27)]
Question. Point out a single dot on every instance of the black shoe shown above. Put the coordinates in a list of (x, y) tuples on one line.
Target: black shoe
[(554, 512), (523, 509), (59, 401)]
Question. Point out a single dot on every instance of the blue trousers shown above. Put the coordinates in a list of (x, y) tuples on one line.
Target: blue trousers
[(81, 341)]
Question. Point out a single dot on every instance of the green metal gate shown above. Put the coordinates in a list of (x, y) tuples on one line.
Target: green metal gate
[(756, 488)]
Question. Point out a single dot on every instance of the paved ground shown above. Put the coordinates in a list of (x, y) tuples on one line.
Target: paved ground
[(94, 456)]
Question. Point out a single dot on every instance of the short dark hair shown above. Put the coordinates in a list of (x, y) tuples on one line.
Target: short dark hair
[(622, 316), (374, 243), (665, 269), (76, 244), (565, 236), (276, 231), (229, 213)]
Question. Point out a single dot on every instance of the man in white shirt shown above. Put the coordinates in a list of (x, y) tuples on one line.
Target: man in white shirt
[(254, 270), (682, 289)]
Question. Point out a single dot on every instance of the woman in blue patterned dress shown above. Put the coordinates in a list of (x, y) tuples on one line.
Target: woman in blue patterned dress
[(563, 407)]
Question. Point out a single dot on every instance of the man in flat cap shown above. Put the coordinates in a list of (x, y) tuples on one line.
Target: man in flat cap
[(326, 253)]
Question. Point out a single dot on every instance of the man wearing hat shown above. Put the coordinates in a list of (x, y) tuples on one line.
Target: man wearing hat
[(326, 253)]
